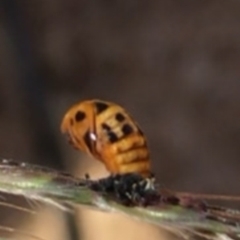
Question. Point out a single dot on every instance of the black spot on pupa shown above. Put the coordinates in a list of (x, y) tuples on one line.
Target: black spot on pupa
[(106, 127), (127, 129), (119, 117), (112, 137), (79, 116), (101, 106), (88, 141)]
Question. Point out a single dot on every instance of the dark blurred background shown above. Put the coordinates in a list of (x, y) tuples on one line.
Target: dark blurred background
[(174, 65)]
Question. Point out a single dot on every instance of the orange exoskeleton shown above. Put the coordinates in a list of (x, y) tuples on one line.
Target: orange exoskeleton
[(106, 131)]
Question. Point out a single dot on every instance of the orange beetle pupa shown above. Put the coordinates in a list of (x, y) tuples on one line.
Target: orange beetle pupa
[(107, 132)]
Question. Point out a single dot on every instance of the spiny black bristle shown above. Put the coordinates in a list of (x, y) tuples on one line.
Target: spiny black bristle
[(129, 189)]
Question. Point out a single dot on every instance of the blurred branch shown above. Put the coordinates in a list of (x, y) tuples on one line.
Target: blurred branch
[(13, 230), (53, 187)]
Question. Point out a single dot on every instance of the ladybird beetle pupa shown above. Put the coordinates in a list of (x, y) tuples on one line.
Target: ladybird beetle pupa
[(106, 131)]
